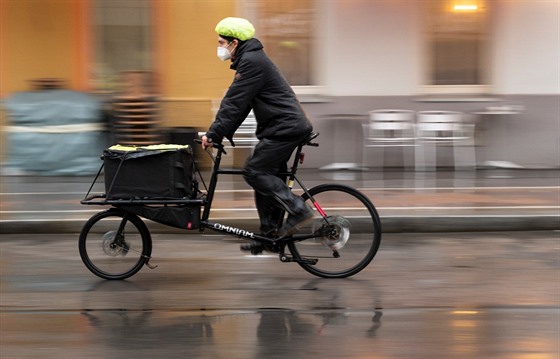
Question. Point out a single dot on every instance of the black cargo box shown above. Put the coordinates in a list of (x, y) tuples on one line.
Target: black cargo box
[(156, 171)]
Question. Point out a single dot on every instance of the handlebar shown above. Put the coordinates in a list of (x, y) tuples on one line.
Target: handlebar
[(219, 146)]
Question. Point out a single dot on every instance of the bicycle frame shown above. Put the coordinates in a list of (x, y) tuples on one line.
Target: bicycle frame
[(291, 177), (206, 201)]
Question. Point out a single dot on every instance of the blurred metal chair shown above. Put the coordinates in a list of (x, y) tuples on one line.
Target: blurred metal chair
[(244, 138), (389, 128), (444, 128)]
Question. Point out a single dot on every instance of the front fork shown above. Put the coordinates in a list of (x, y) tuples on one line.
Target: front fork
[(121, 242)]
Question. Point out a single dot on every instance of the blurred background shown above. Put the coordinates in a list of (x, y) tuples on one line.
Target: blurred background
[(404, 91), (78, 75)]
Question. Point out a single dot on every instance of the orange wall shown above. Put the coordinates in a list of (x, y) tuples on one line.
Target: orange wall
[(190, 65), (42, 39), (185, 50), (54, 39)]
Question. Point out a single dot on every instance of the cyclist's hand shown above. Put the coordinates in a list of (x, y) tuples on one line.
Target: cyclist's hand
[(206, 142)]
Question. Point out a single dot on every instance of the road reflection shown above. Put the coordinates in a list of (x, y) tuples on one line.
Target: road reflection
[(267, 333), (452, 296), (516, 333)]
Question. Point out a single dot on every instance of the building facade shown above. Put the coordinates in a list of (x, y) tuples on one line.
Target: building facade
[(343, 57)]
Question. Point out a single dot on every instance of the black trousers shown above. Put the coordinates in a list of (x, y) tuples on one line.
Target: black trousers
[(272, 194)]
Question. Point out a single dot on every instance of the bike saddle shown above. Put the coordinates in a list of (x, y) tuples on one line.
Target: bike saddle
[(313, 135)]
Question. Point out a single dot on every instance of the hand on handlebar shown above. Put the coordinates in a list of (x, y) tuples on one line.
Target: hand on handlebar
[(206, 142)]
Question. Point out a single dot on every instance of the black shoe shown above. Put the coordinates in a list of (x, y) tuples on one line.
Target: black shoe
[(295, 222), (254, 247), (257, 248), (269, 232)]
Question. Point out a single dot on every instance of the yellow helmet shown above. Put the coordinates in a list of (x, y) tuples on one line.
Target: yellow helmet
[(236, 27)]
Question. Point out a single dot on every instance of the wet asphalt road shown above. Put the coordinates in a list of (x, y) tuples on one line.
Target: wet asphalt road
[(445, 295)]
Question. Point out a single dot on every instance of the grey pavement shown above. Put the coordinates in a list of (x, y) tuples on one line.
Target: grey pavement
[(425, 296), (440, 201)]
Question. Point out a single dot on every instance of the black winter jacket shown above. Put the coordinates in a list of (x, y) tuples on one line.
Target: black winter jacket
[(259, 85)]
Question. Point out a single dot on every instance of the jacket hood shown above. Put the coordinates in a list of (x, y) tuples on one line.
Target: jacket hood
[(250, 45)]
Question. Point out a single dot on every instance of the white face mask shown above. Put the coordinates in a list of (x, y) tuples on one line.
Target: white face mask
[(223, 53)]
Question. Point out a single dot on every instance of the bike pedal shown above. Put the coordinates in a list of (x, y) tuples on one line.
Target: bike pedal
[(285, 259), (310, 261)]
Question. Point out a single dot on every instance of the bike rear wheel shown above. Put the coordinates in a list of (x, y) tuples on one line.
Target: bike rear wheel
[(349, 238), (114, 244)]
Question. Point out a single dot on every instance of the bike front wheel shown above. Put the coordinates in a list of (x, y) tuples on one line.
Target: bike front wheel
[(346, 240), (114, 244)]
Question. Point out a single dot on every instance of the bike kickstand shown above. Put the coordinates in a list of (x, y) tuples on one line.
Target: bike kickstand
[(147, 264)]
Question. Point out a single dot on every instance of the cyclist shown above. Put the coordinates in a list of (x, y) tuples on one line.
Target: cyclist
[(282, 124)]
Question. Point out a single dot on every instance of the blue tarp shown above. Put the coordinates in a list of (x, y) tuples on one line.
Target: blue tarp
[(52, 107), (54, 132)]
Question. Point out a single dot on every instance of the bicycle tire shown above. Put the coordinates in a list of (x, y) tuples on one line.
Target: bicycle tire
[(354, 233), (110, 255)]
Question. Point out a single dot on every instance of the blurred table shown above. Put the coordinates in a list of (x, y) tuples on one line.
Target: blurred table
[(493, 114), (346, 129)]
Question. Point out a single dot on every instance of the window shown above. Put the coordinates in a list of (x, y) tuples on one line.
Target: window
[(457, 44), (122, 31), (285, 29)]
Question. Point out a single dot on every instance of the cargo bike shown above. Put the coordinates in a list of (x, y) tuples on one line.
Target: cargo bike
[(160, 183)]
